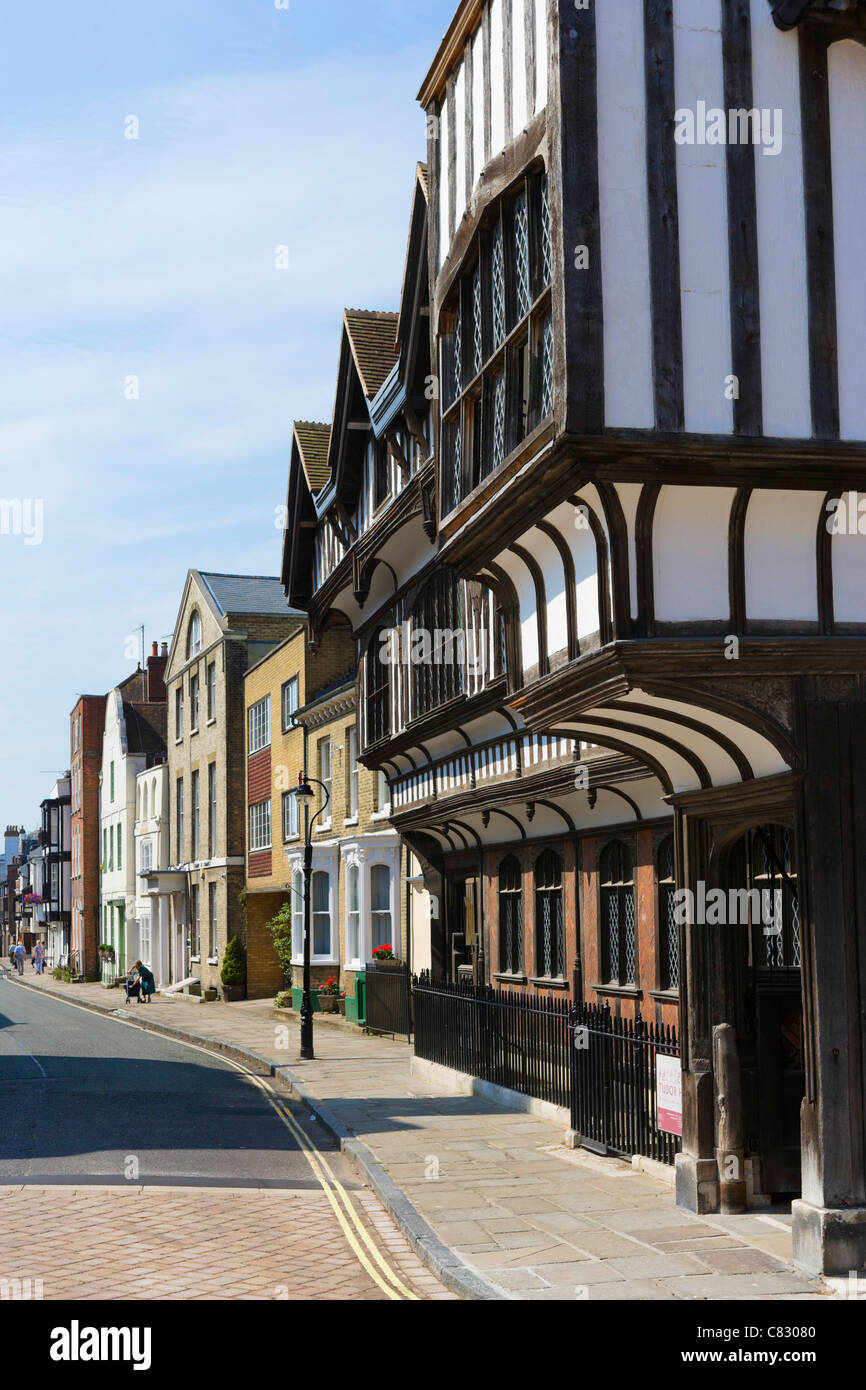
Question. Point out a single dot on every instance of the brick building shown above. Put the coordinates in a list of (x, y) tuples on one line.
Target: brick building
[(133, 741), (225, 624), (86, 728), (300, 707)]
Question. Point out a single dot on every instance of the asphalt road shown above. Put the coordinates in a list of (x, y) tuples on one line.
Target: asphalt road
[(93, 1099)]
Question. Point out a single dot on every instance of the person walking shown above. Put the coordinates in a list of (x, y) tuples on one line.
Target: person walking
[(38, 957), (20, 957)]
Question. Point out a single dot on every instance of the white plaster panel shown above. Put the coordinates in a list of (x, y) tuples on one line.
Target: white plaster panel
[(781, 554), (703, 223), (497, 79), (479, 77), (628, 364), (460, 141), (781, 234), (690, 553), (847, 75), (519, 114), (540, 54)]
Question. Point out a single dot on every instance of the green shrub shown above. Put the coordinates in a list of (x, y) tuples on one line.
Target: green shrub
[(284, 999), (234, 966), (60, 972), (280, 928)]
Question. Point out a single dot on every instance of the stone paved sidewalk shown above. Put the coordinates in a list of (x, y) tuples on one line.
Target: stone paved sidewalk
[(535, 1219)]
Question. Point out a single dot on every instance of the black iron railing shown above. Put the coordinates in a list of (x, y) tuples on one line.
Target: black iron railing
[(513, 1040), (388, 1000), (603, 1069), (613, 1092)]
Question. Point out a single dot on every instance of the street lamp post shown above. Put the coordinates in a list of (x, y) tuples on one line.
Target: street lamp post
[(305, 796)]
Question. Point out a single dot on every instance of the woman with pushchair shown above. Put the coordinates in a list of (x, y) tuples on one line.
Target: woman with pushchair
[(140, 984)]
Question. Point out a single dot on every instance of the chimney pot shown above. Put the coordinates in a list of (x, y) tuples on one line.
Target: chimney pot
[(164, 651), (155, 651)]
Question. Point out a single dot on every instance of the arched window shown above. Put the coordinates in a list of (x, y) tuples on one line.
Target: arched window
[(764, 862), (618, 949), (510, 916), (437, 651), (549, 945), (193, 641), (380, 905), (145, 801), (378, 673), (669, 949)]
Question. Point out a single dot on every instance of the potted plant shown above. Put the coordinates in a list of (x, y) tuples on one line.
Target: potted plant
[(384, 958), (233, 972), (106, 952), (329, 995), (341, 1003)]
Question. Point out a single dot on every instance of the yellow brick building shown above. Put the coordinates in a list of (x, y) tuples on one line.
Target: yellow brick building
[(300, 715)]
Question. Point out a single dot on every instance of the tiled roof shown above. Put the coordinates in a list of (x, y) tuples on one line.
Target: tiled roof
[(242, 593), (313, 440), (372, 336)]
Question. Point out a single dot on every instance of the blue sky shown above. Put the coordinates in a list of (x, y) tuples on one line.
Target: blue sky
[(153, 258)]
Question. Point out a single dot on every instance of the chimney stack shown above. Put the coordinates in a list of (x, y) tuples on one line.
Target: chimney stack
[(155, 692)]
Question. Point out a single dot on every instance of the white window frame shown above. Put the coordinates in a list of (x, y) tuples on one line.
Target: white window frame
[(178, 713), (290, 804), (328, 812), (194, 640), (353, 772), (260, 826), (326, 859), (287, 716), (380, 912), (210, 682), (259, 725), (194, 684)]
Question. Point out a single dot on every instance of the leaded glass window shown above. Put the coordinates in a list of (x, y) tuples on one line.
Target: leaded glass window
[(523, 294), (549, 945), (546, 241), (438, 644), (770, 867), (669, 950), (477, 323), (510, 916), (497, 286), (546, 367), (497, 451), (457, 348), (618, 944)]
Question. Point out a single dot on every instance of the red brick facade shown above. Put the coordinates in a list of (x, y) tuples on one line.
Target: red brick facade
[(87, 724)]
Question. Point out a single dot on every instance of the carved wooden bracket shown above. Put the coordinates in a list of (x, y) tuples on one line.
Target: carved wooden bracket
[(429, 522)]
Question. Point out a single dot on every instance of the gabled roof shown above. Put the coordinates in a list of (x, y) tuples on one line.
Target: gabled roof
[(313, 440), (372, 337), (246, 594)]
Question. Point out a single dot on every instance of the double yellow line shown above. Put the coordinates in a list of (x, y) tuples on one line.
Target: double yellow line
[(387, 1280), (384, 1277)]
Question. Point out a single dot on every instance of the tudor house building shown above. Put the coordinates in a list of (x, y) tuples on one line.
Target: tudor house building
[(625, 464)]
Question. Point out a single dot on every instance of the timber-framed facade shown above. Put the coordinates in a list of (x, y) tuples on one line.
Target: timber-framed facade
[(624, 430)]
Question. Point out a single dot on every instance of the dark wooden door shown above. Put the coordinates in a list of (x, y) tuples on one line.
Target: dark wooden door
[(463, 920), (781, 1081)]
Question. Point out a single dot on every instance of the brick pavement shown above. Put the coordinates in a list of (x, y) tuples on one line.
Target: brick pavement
[(191, 1243), (536, 1219)]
